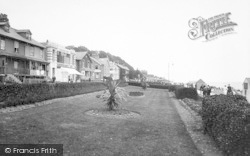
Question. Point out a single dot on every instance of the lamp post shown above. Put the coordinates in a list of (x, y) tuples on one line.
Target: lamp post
[(169, 64)]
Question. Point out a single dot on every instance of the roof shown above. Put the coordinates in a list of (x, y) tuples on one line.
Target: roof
[(247, 79), (14, 35), (112, 65), (200, 81), (23, 30), (96, 60), (104, 61), (80, 55), (122, 66)]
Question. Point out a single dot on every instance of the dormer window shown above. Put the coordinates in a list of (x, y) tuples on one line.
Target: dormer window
[(28, 36), (25, 33)]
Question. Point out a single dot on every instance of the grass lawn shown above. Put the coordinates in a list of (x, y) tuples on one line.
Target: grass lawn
[(159, 130)]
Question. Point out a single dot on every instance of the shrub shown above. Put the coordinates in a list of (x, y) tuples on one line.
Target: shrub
[(227, 120), (173, 88), (182, 93), (19, 94), (114, 95)]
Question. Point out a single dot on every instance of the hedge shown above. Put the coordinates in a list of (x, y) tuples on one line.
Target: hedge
[(182, 93), (227, 120), (151, 85), (20, 94)]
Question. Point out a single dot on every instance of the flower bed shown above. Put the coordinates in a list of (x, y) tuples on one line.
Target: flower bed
[(195, 105), (136, 94), (227, 120)]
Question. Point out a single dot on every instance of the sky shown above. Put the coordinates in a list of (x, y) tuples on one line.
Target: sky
[(150, 35)]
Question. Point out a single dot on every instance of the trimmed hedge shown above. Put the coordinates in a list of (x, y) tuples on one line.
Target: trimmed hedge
[(227, 120), (151, 85), (20, 94), (182, 93)]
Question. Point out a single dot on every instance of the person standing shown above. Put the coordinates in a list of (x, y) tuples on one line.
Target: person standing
[(229, 90)]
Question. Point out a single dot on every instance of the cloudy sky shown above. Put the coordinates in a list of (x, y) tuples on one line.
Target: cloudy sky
[(149, 34)]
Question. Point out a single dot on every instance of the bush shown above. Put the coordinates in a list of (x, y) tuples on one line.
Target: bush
[(182, 93), (227, 120), (173, 88), (19, 94)]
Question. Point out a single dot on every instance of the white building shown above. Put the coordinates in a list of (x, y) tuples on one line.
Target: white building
[(114, 70), (246, 89), (62, 62)]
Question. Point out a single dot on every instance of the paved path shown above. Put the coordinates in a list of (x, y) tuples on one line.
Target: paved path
[(159, 131)]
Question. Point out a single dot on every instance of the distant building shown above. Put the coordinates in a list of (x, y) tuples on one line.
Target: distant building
[(114, 70), (124, 72), (199, 83), (20, 55), (246, 89), (62, 62), (96, 66), (84, 66), (105, 67)]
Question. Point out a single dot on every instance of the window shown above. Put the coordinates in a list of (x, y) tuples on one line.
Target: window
[(96, 67), (32, 51), (41, 53), (88, 65), (246, 86), (2, 44), (28, 36), (15, 64), (73, 59), (53, 72), (53, 56), (16, 46)]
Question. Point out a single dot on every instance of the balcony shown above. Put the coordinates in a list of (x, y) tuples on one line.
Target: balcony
[(38, 72)]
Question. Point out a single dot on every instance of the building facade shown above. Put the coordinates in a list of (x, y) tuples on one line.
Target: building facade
[(114, 70), (124, 72), (105, 67), (84, 66), (62, 62), (20, 55), (96, 67)]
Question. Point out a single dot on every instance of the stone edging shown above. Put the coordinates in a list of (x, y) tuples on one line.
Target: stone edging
[(137, 96), (193, 125)]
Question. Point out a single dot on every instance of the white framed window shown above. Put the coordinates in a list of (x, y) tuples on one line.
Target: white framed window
[(32, 51), (15, 64), (2, 44), (16, 46), (41, 53)]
